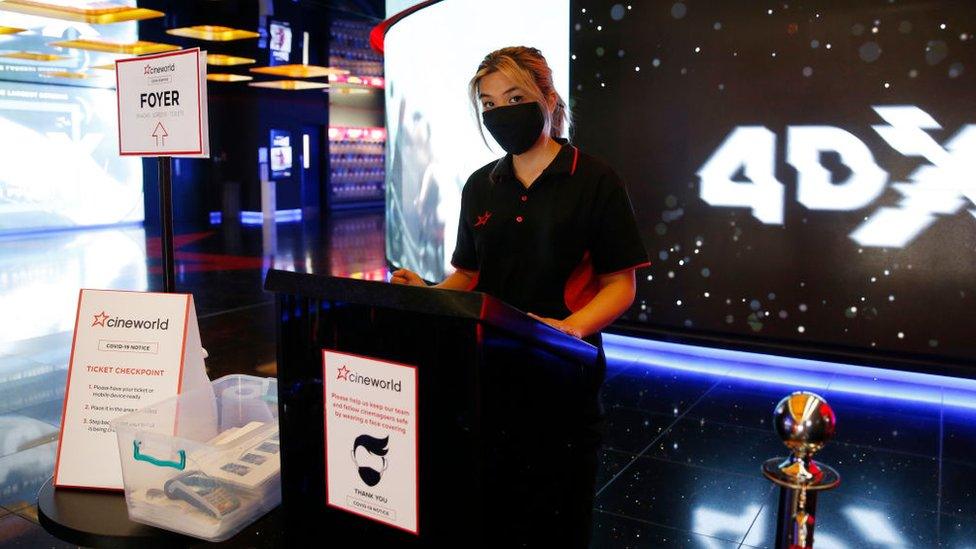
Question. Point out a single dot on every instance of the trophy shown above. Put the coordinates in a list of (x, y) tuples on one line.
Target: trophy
[(805, 422)]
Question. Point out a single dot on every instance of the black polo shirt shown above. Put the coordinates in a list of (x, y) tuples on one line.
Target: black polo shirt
[(541, 248)]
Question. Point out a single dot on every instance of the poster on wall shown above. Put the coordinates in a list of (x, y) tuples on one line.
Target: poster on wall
[(371, 438), (280, 154), (279, 43)]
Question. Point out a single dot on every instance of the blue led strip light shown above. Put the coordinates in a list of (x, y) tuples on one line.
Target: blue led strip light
[(794, 372)]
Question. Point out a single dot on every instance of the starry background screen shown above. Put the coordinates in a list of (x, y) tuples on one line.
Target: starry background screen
[(658, 87)]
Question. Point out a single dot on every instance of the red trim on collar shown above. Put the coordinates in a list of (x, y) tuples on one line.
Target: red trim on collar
[(572, 170)]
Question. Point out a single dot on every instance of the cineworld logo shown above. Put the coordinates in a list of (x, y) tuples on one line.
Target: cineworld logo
[(352, 377), (942, 186), (149, 69), (108, 321)]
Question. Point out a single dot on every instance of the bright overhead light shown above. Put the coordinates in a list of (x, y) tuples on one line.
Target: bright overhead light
[(108, 67), (65, 74), (213, 33), (139, 47), (299, 71), (225, 77), (34, 56), (290, 85), (10, 30), (101, 13), (227, 60)]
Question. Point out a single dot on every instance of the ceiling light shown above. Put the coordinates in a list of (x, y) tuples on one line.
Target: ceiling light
[(34, 56), (290, 85), (227, 60), (225, 77), (104, 13), (138, 47), (10, 30), (299, 71), (214, 33), (65, 74)]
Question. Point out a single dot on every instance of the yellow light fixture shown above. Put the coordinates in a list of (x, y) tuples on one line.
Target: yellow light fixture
[(108, 67), (10, 30), (290, 85), (299, 71), (227, 60), (226, 77), (34, 56), (139, 47), (65, 74), (103, 14), (213, 33)]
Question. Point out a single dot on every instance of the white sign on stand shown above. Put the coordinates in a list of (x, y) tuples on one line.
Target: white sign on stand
[(130, 350), (371, 457), (162, 104)]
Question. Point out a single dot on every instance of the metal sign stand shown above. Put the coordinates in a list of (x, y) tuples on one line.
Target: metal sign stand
[(165, 166)]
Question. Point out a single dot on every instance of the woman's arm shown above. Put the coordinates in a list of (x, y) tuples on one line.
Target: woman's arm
[(460, 279), (615, 296)]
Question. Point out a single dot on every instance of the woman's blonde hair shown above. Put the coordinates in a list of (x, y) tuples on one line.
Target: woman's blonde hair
[(527, 68)]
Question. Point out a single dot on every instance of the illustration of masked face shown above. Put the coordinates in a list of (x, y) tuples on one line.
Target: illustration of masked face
[(369, 455)]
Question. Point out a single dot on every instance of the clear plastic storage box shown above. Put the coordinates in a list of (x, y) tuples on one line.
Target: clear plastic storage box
[(205, 463)]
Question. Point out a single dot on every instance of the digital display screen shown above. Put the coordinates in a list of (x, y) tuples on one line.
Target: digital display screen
[(61, 168), (801, 173), (433, 140), (280, 154), (279, 43)]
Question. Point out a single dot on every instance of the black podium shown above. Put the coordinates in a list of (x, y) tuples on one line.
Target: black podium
[(502, 399)]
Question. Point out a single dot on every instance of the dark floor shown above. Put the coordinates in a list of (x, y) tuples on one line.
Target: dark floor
[(680, 466)]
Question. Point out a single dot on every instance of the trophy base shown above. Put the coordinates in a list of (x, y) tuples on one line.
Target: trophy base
[(829, 477)]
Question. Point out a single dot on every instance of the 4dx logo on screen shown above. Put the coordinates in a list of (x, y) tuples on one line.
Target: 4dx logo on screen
[(943, 186)]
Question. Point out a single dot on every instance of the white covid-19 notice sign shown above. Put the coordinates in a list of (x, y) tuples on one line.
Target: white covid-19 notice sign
[(162, 104), (129, 351), (371, 438)]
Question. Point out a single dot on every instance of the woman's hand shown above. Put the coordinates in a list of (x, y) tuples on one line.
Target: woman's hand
[(560, 325), (408, 278)]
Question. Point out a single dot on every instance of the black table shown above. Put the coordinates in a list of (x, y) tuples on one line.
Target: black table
[(100, 519)]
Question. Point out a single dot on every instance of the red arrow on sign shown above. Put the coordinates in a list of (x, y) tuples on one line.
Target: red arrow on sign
[(160, 133)]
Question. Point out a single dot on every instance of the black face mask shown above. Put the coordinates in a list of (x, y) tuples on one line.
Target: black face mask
[(370, 476), (515, 128)]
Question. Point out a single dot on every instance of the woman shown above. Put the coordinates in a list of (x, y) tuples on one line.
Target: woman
[(547, 229)]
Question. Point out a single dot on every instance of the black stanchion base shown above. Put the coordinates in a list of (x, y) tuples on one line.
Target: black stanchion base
[(96, 519), (100, 519)]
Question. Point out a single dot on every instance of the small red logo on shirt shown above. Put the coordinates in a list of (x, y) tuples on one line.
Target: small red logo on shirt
[(483, 219)]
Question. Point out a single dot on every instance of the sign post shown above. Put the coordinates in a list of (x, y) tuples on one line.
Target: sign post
[(166, 221), (162, 108)]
